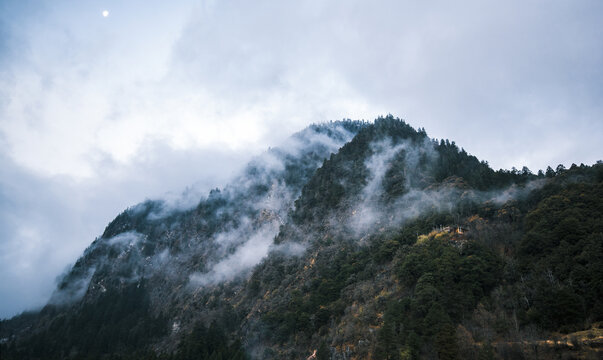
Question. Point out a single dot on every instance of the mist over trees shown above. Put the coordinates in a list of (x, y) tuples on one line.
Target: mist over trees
[(365, 240)]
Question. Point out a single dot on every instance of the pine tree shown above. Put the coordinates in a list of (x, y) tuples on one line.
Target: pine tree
[(445, 343)]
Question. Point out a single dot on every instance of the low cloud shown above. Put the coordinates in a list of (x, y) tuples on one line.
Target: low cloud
[(368, 209), (251, 239), (47, 222), (254, 205), (369, 212), (127, 239), (377, 165), (73, 290), (253, 249)]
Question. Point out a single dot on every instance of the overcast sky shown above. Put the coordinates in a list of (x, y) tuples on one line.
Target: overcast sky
[(100, 112)]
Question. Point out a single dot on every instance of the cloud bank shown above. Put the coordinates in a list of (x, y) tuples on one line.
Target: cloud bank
[(47, 221)]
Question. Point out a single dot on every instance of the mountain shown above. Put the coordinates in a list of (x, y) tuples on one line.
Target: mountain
[(355, 240)]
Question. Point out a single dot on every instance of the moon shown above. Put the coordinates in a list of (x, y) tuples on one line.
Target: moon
[(105, 13)]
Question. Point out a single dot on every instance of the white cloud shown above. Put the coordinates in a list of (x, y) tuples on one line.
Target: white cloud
[(47, 221), (255, 246)]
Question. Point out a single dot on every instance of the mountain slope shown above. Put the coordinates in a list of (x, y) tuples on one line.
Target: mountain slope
[(358, 240)]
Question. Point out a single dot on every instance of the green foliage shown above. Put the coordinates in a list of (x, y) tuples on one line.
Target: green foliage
[(445, 342), (307, 313), (118, 322), (533, 263), (562, 251), (209, 343), (443, 274), (454, 162), (447, 284), (326, 191)]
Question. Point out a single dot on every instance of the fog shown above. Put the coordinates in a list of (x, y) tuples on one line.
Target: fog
[(46, 222), (370, 213)]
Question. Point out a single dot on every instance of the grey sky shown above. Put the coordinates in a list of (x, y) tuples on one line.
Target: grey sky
[(97, 113)]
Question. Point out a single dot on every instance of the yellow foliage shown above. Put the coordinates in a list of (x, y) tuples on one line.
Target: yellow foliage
[(474, 218), (433, 233), (422, 238), (442, 236), (405, 354)]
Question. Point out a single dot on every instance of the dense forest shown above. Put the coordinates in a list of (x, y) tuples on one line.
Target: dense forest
[(383, 244)]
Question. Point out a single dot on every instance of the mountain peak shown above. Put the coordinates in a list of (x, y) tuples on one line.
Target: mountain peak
[(334, 241)]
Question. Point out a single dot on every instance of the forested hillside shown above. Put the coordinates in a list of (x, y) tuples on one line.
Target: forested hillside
[(360, 241)]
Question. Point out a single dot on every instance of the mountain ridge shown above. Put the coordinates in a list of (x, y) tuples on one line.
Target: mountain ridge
[(335, 243)]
